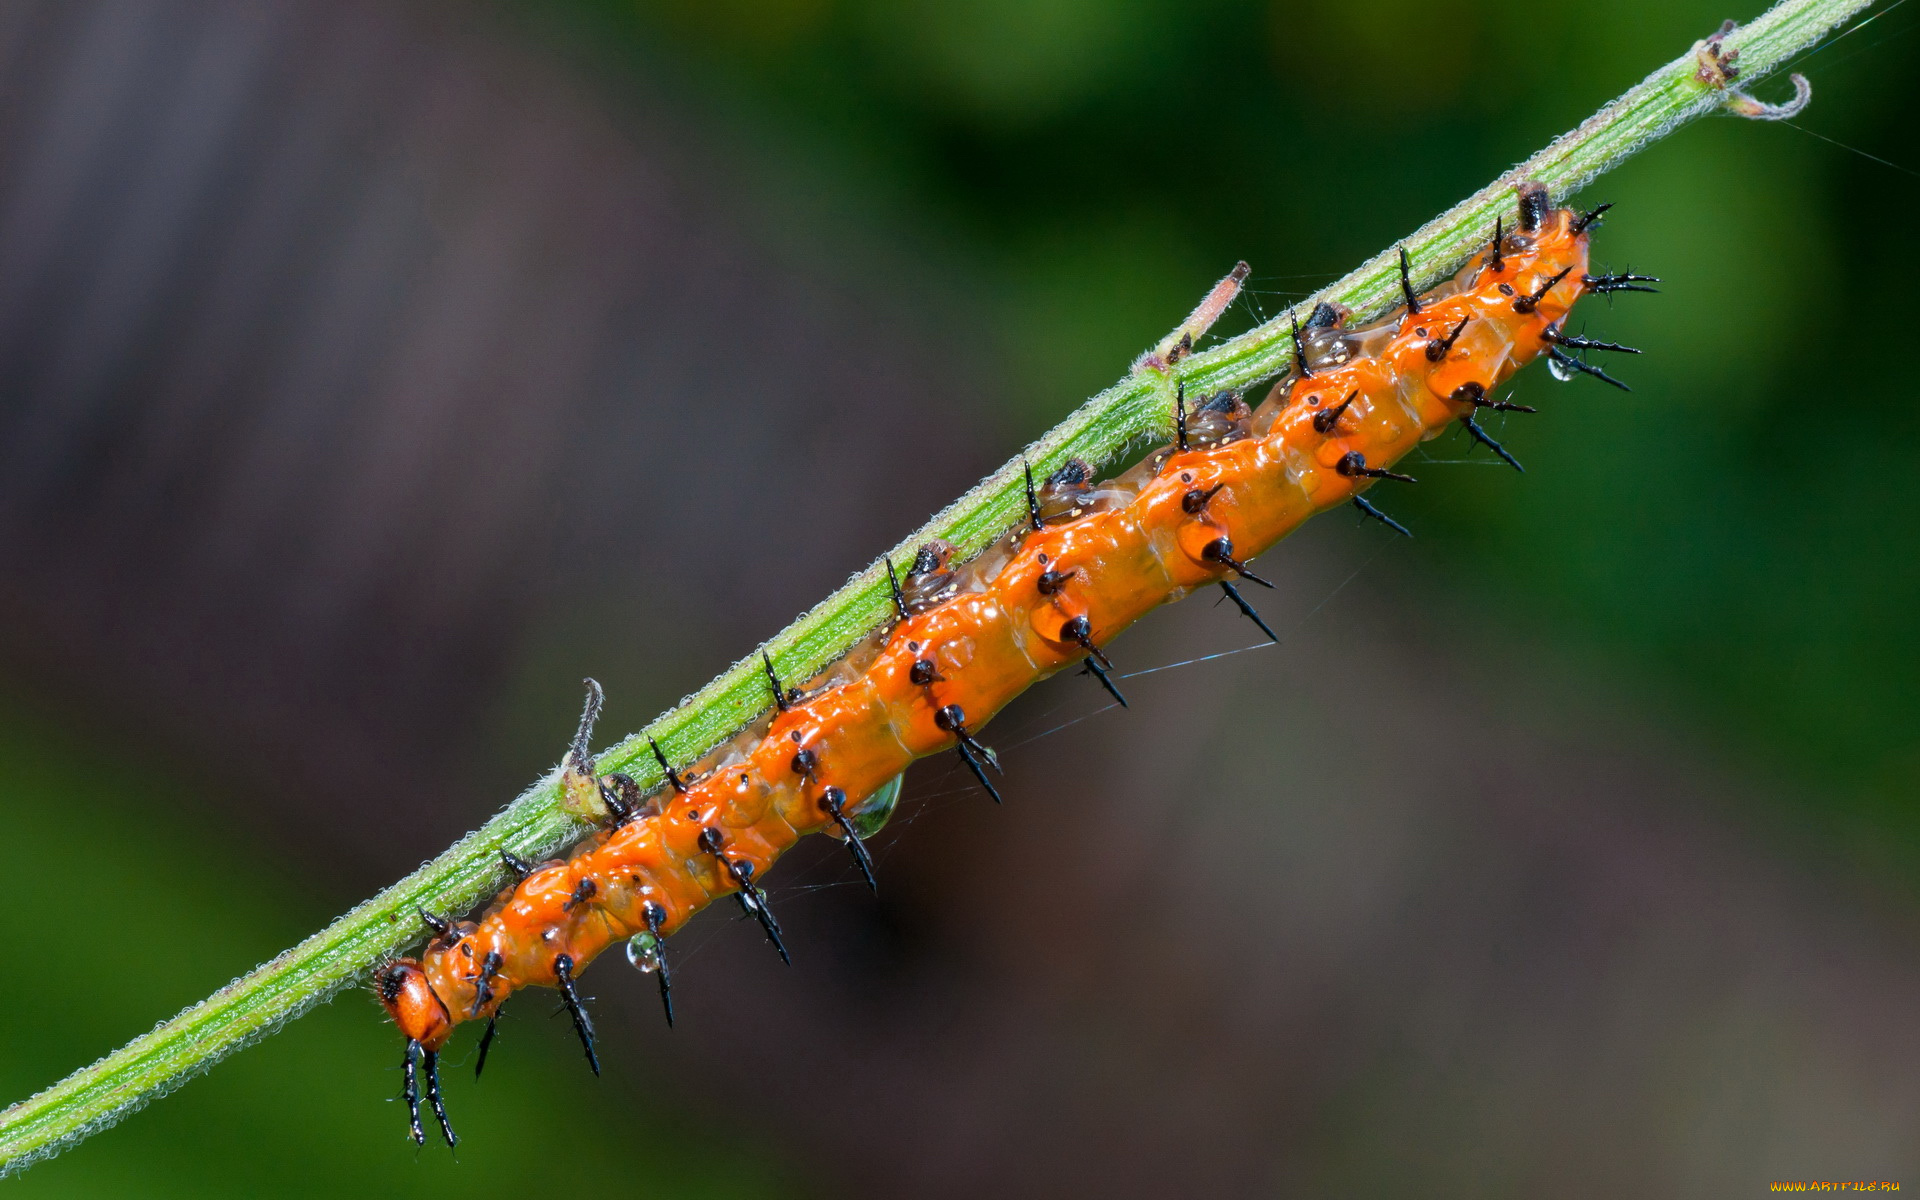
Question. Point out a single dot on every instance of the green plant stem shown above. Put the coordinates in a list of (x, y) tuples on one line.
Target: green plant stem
[(1099, 431)]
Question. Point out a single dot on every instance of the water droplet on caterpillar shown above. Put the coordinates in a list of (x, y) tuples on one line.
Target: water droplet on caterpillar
[(643, 951), (872, 813), (1560, 370)]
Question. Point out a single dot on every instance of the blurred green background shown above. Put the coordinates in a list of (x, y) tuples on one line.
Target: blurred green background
[(800, 269)]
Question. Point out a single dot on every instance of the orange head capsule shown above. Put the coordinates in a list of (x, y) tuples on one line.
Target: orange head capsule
[(410, 1001)]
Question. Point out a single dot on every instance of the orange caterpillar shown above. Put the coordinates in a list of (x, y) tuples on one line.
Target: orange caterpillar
[(1091, 559)]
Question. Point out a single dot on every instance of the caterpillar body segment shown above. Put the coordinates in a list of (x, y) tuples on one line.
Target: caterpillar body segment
[(1090, 559)]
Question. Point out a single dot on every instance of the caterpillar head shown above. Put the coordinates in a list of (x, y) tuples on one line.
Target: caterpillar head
[(408, 998), (1536, 203)]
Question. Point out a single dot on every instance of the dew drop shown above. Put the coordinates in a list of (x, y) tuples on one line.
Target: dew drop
[(643, 951)]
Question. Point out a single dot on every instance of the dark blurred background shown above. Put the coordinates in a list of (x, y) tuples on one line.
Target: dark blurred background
[(370, 372)]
